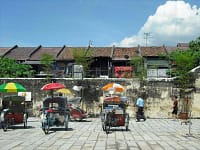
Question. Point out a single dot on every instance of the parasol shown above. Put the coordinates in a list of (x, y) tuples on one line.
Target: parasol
[(110, 86), (11, 87), (65, 91), (52, 86)]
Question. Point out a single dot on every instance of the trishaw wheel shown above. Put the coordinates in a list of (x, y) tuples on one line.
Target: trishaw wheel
[(46, 128), (108, 120), (4, 121), (66, 122), (126, 127), (25, 120), (80, 119), (5, 126), (107, 128), (103, 126)]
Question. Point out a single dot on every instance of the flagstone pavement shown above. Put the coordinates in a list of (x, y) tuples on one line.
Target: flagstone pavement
[(153, 134)]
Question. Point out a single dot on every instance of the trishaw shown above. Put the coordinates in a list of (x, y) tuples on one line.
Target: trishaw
[(76, 112), (13, 111), (54, 113), (114, 113)]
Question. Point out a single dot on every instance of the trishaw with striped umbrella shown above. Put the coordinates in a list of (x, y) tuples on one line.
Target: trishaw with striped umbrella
[(14, 110)]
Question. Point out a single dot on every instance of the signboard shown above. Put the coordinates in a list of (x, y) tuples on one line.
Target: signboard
[(123, 71), (27, 95), (157, 73)]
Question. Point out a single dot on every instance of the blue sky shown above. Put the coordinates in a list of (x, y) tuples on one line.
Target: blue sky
[(104, 22)]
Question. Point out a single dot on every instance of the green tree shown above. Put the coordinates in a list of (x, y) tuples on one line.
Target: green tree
[(184, 61), (194, 46), (11, 69), (83, 57), (47, 61), (138, 67)]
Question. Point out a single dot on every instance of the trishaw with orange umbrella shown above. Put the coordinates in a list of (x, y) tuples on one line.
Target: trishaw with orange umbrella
[(54, 110), (113, 112), (13, 106)]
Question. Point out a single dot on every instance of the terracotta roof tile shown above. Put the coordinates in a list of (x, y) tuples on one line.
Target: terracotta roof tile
[(67, 53), (48, 50), (20, 53), (171, 49), (102, 51), (185, 45), (4, 50), (152, 51), (122, 52)]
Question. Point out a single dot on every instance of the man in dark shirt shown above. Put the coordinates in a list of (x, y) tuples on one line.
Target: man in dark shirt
[(175, 107)]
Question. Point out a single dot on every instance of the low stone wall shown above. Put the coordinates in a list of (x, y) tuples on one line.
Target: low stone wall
[(158, 101)]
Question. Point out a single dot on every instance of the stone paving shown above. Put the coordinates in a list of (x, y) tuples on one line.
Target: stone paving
[(153, 134)]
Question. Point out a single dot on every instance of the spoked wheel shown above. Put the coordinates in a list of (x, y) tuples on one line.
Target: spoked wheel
[(126, 127), (25, 120), (103, 121), (126, 121), (103, 125), (4, 121), (66, 122), (5, 126), (107, 128), (107, 122), (45, 126)]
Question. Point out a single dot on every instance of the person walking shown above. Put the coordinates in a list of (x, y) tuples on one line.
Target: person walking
[(175, 108), (140, 109)]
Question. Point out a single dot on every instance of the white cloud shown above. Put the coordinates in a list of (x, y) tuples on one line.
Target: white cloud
[(172, 23)]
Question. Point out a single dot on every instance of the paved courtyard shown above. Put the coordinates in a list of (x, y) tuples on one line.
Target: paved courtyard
[(153, 134)]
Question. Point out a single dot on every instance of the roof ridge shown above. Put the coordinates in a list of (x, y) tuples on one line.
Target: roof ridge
[(6, 53), (60, 51), (35, 50)]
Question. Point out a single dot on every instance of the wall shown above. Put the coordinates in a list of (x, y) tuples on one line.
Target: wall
[(158, 94)]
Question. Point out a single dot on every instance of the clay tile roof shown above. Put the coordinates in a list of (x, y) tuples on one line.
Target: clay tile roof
[(46, 50), (120, 53), (183, 45), (67, 53), (152, 51), (170, 48), (20, 53), (179, 46), (102, 51), (4, 50)]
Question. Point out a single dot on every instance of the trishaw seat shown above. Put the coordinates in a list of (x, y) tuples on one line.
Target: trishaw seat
[(119, 111)]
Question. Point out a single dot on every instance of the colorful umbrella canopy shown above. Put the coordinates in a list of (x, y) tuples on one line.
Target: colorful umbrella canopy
[(11, 87), (110, 86), (64, 91), (52, 86)]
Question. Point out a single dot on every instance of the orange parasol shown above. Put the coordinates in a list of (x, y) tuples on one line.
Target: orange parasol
[(110, 86)]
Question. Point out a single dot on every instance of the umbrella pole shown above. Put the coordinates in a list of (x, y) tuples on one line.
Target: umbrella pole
[(52, 98)]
